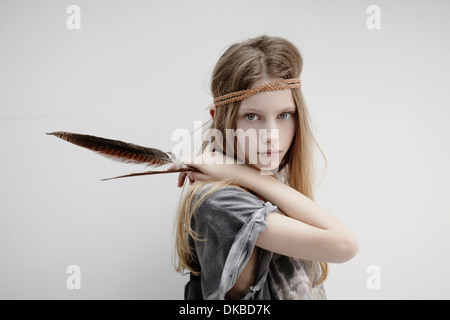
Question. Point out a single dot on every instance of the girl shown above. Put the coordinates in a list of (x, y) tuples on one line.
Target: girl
[(249, 228)]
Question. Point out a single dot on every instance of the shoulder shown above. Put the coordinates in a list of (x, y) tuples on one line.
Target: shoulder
[(225, 204), (214, 195)]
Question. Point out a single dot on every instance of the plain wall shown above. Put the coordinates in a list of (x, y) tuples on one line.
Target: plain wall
[(139, 70)]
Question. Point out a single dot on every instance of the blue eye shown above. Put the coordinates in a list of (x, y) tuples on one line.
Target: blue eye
[(253, 116), (288, 115), (250, 114)]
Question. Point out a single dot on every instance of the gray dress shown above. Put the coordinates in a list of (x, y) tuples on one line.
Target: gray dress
[(229, 221)]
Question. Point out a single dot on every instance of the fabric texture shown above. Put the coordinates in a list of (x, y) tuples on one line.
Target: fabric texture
[(228, 223), (289, 279)]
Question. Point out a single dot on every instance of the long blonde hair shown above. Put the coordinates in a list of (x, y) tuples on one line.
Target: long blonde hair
[(239, 67)]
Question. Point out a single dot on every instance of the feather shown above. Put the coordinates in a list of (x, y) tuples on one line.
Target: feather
[(126, 152)]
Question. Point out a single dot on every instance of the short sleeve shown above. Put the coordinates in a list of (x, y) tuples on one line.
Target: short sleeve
[(228, 223)]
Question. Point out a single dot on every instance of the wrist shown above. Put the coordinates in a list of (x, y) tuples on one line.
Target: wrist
[(254, 179)]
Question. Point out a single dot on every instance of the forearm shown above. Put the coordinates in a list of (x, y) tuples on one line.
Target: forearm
[(291, 202)]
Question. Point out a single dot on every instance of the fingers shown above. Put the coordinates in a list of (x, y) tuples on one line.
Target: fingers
[(192, 175), (195, 175), (182, 178), (182, 175)]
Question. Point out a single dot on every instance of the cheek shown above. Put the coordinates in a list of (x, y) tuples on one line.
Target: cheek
[(244, 125), (287, 135)]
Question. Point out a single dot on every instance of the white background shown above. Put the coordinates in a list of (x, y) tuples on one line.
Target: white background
[(138, 70)]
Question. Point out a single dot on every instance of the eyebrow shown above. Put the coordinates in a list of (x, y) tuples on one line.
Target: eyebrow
[(256, 110)]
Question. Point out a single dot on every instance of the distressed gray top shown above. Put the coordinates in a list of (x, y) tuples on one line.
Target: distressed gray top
[(229, 221)]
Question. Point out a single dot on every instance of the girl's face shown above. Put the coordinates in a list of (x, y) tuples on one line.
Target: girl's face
[(265, 126)]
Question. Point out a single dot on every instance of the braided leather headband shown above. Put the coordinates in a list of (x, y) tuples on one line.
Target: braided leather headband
[(270, 86)]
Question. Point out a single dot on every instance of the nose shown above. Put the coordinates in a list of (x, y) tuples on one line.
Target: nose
[(270, 133)]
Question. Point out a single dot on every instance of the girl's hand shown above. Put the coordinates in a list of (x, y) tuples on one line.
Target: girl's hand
[(181, 176), (213, 166)]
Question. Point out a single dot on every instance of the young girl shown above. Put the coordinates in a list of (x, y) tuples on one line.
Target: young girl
[(249, 228)]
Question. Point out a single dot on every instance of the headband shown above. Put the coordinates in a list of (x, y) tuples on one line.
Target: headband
[(270, 86)]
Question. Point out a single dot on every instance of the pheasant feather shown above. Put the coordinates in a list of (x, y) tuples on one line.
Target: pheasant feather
[(126, 152)]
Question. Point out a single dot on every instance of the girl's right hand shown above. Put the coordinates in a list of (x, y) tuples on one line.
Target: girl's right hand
[(213, 166), (181, 176)]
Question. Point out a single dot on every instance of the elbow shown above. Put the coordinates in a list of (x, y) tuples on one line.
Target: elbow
[(348, 248)]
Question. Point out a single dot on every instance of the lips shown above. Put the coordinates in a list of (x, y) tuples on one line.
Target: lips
[(269, 152)]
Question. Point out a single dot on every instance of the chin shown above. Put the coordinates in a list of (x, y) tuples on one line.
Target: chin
[(270, 167)]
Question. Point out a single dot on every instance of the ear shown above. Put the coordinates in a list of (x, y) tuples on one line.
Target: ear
[(212, 111)]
